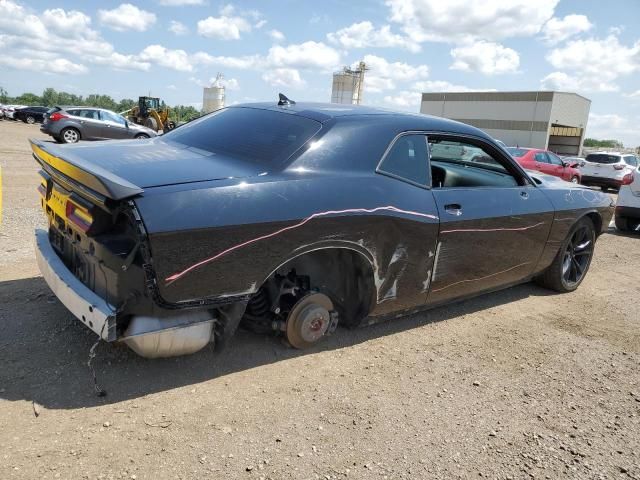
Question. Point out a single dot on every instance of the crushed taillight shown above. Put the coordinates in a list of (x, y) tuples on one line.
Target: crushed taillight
[(78, 215), (54, 117), (618, 167), (627, 179)]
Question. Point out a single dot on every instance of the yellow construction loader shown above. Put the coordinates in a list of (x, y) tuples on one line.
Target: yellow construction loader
[(151, 114)]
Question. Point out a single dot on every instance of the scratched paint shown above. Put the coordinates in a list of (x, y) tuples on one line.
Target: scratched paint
[(480, 230), (480, 278), (176, 276)]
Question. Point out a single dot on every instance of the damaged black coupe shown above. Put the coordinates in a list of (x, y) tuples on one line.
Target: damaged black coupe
[(296, 219)]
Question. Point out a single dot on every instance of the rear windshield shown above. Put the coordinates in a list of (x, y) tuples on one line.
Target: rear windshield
[(602, 158), (517, 152), (259, 136)]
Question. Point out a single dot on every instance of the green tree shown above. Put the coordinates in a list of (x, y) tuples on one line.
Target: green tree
[(126, 104), (29, 99), (101, 101), (50, 97), (592, 142)]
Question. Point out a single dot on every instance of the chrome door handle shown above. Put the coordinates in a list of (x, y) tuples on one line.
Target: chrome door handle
[(524, 195), (453, 209)]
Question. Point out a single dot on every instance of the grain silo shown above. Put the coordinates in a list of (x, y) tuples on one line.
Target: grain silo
[(348, 85), (213, 96)]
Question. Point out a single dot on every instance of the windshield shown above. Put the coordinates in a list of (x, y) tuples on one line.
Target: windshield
[(259, 136), (602, 158), (517, 152)]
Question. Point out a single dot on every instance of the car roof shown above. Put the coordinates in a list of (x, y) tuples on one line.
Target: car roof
[(323, 112), (608, 153)]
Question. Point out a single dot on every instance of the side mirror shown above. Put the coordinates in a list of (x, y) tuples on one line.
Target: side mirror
[(565, 163), (126, 123), (574, 165)]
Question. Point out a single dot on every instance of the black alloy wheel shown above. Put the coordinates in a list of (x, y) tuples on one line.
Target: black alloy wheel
[(577, 256)]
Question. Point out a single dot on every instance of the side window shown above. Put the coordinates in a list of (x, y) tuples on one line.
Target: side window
[(541, 157), (112, 117), (631, 160), (463, 164), (73, 112), (554, 159), (407, 159)]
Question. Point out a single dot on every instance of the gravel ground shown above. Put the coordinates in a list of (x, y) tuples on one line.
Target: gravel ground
[(521, 383)]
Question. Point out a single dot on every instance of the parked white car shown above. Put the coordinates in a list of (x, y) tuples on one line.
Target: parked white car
[(11, 109), (608, 169), (627, 215)]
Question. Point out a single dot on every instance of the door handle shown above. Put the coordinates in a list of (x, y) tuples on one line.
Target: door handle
[(524, 195), (453, 209)]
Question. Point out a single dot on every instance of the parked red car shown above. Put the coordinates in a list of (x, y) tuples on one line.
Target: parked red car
[(547, 162)]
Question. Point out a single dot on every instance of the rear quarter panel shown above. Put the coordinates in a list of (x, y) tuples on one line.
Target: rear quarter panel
[(572, 203), (225, 240)]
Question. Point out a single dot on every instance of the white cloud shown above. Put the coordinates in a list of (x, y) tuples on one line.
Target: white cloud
[(180, 3), (223, 28), (378, 84), (276, 35), (364, 35), (304, 55), (594, 64), (635, 94), (485, 57), (405, 100), (174, 59), (566, 82), (127, 17), (72, 24), (178, 28), (231, 23), (612, 126), (120, 61), (557, 30), (456, 20), (284, 77), (381, 67), (56, 65)]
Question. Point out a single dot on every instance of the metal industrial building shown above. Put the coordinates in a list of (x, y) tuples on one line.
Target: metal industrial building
[(348, 85), (554, 121)]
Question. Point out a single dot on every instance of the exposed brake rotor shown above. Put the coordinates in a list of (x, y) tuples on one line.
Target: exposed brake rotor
[(310, 319)]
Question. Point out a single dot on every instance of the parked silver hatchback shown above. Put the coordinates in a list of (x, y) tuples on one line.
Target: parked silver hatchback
[(72, 124)]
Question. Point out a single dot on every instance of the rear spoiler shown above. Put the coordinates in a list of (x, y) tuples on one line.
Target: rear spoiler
[(63, 162)]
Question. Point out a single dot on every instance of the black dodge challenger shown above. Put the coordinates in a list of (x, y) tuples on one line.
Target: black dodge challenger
[(294, 219)]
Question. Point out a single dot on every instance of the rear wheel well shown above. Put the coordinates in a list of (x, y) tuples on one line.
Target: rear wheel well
[(344, 275), (597, 222)]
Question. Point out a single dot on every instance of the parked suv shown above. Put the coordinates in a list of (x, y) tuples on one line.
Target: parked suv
[(608, 169), (628, 206), (547, 162), (72, 124)]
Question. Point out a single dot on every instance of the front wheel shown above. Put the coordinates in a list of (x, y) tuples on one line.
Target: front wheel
[(70, 135), (573, 259), (575, 180), (141, 136), (30, 120)]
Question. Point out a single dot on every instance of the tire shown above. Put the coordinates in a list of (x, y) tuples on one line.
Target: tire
[(575, 180), (69, 135), (574, 256), (622, 224), (30, 120), (141, 136), (151, 123)]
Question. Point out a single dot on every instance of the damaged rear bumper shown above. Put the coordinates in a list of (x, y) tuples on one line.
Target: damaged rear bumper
[(85, 305)]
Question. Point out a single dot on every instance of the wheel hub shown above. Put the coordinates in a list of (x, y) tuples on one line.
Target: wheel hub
[(309, 320)]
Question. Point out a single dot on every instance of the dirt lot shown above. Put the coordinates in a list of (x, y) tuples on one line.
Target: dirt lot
[(518, 384)]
